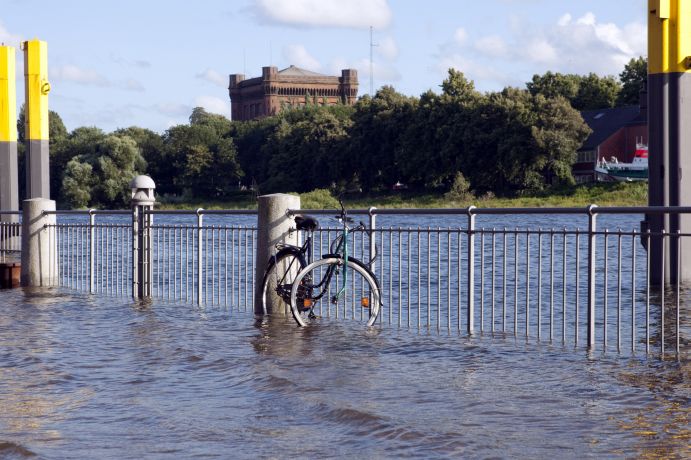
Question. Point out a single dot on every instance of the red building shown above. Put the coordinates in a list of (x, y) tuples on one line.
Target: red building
[(616, 132)]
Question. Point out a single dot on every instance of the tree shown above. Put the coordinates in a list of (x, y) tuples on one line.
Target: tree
[(376, 138), (202, 161), (99, 175), (633, 78), (306, 151), (583, 92), (596, 92), (150, 145), (555, 84)]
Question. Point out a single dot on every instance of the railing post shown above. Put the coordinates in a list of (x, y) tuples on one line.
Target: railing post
[(373, 239), (92, 251), (142, 201), (39, 248), (200, 255), (592, 240), (471, 269), (273, 226)]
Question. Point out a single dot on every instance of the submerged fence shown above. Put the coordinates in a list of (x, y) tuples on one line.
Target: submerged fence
[(10, 236), (494, 271)]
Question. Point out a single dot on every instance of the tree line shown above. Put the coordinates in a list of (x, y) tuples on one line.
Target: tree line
[(503, 142)]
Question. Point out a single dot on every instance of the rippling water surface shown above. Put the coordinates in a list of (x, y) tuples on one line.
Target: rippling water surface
[(85, 377)]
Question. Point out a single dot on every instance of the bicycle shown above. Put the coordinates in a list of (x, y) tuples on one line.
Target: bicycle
[(336, 281)]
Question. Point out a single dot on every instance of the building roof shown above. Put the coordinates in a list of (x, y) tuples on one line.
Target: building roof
[(606, 122), (293, 71)]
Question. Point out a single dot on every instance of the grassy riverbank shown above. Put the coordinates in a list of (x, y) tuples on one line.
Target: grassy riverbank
[(614, 194)]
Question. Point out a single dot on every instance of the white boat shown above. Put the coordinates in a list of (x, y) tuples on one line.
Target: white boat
[(613, 170)]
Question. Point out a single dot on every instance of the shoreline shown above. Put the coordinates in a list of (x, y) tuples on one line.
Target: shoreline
[(615, 194)]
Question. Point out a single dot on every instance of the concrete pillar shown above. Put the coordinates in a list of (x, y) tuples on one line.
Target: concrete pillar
[(273, 226), (39, 245), (9, 185)]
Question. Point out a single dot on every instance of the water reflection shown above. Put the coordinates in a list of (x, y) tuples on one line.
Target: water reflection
[(88, 377)]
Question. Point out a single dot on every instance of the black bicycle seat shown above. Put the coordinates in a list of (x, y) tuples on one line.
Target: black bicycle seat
[(308, 223)]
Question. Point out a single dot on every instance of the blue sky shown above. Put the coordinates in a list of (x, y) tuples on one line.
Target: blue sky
[(148, 63)]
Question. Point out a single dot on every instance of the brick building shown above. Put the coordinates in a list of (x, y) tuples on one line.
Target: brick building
[(616, 132), (291, 87)]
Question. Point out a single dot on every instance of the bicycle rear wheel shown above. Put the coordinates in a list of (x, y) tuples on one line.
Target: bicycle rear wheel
[(278, 280), (326, 288)]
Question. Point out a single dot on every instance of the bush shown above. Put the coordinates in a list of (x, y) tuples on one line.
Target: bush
[(318, 199), (460, 189)]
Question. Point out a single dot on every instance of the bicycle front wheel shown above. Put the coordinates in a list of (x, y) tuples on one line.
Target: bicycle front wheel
[(330, 288), (278, 280)]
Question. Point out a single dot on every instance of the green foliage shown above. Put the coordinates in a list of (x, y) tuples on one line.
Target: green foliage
[(318, 199), (100, 174), (201, 160), (583, 92), (460, 189), (633, 78)]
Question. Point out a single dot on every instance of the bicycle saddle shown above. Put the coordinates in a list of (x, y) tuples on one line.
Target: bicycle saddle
[(308, 223)]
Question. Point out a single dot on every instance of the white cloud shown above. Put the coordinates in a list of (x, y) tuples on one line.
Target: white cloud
[(387, 48), (89, 77), (172, 109), (540, 50), (300, 57), (460, 36), (76, 74), (213, 104), (492, 45), (565, 20), (8, 38), (484, 75), (214, 77), (325, 13), (139, 63), (569, 45), (384, 73)]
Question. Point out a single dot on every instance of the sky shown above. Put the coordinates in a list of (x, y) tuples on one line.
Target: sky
[(148, 63)]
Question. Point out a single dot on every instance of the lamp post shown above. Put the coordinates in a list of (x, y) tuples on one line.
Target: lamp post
[(142, 201)]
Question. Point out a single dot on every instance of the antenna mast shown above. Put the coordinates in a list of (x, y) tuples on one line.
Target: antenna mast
[(371, 62)]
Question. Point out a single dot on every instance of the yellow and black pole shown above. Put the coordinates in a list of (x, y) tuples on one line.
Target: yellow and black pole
[(669, 111), (9, 187), (36, 116)]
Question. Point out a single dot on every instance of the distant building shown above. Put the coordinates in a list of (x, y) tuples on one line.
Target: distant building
[(292, 87), (616, 132)]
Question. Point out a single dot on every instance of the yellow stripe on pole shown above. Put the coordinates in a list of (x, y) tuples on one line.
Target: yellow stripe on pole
[(8, 95), (37, 89), (669, 36)]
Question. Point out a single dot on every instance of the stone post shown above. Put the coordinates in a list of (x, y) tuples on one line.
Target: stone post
[(273, 226), (39, 245)]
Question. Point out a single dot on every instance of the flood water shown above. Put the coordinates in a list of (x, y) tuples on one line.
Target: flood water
[(94, 377)]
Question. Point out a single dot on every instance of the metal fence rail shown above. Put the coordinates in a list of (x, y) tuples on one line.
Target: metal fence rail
[(206, 265), (10, 236), (571, 286)]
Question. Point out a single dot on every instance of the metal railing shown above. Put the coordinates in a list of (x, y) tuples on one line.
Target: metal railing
[(192, 262), (204, 264), (563, 285), (10, 237), (570, 285)]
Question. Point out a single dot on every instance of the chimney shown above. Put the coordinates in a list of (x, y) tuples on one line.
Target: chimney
[(643, 102)]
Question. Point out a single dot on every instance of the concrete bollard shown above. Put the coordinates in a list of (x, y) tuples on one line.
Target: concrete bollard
[(39, 245), (273, 226)]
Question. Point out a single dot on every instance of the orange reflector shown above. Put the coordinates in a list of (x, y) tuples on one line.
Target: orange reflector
[(307, 303), (365, 302)]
